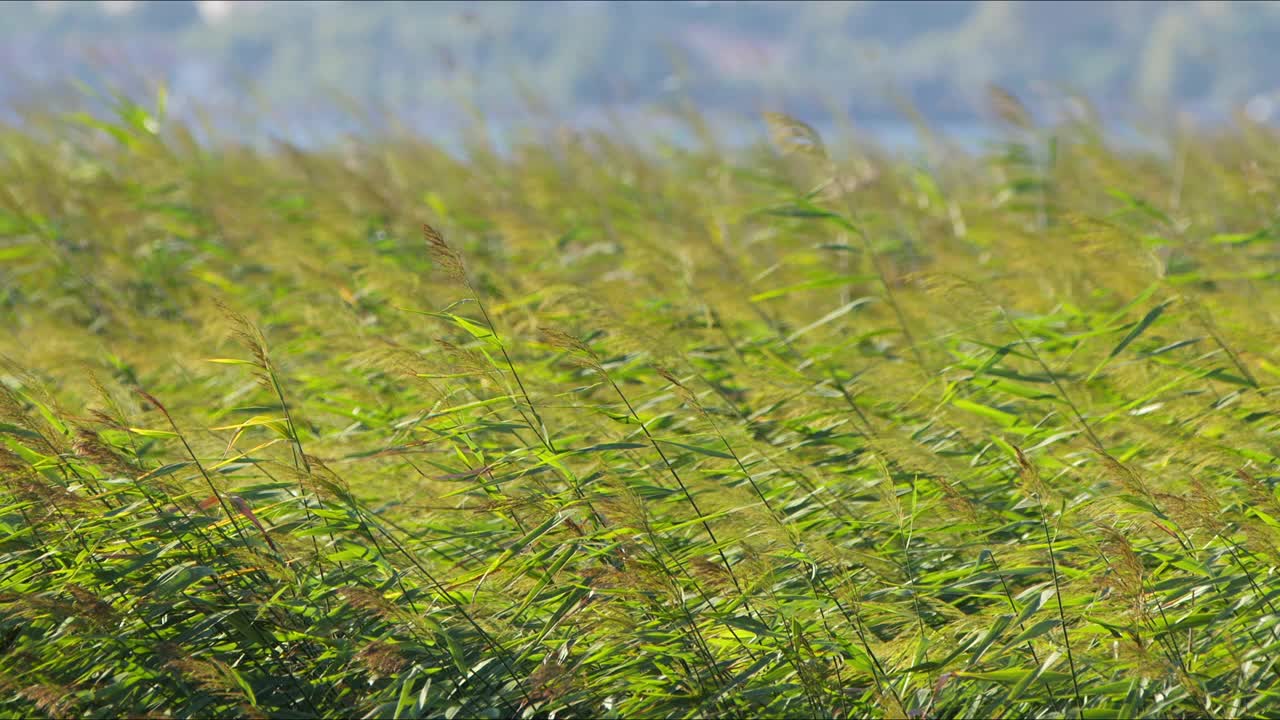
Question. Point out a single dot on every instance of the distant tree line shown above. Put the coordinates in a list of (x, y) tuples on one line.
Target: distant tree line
[(858, 56)]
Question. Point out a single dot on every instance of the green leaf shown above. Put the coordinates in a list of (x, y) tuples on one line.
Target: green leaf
[(604, 447), (243, 683), (1013, 676), (1041, 628), (1143, 324), (153, 433), (169, 469), (833, 315), (180, 577), (993, 633), (1000, 416), (14, 252), (698, 449), (572, 598), (821, 282), (524, 542), (1033, 605), (405, 701), (17, 431)]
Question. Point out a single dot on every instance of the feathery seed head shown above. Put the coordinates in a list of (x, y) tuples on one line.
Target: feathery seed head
[(444, 256)]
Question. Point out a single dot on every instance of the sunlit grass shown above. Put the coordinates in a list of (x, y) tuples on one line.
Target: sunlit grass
[(795, 430)]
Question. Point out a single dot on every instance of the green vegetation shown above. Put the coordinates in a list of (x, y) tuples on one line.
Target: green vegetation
[(794, 431)]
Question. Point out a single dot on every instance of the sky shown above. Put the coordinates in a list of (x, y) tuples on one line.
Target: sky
[(436, 64)]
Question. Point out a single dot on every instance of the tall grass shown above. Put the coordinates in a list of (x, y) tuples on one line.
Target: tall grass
[(782, 432)]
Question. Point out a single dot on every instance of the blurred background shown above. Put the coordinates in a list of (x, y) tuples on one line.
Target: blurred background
[(319, 69)]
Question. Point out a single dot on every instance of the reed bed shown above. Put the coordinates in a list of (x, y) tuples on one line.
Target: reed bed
[(590, 429)]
